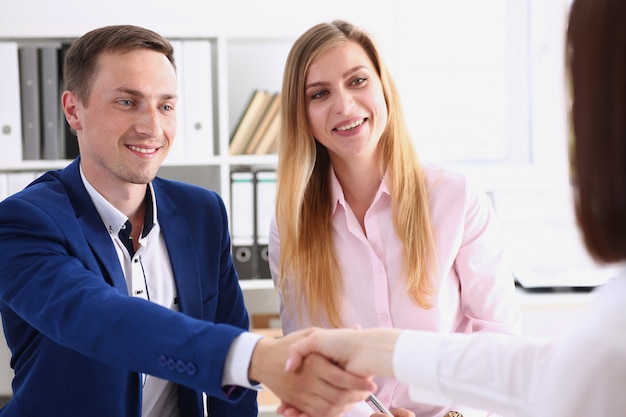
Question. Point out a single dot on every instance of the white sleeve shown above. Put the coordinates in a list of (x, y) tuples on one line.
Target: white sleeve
[(238, 360), (579, 375), (489, 371)]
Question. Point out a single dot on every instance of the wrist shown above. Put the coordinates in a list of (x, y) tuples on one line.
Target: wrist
[(258, 360)]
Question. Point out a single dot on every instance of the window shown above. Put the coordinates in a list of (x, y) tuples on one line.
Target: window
[(482, 83)]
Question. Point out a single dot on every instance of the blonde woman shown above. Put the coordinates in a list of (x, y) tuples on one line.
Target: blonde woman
[(364, 233)]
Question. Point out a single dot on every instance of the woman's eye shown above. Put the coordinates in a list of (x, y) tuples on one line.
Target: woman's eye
[(319, 94)]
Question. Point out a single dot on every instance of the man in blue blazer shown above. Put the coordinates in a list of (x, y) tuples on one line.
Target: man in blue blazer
[(117, 289)]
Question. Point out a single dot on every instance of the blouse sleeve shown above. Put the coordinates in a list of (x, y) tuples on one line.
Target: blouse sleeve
[(488, 297)]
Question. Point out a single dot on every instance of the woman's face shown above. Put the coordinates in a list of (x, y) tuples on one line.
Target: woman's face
[(345, 102)]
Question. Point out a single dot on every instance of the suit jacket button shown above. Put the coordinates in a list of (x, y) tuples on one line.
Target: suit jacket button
[(191, 369), (162, 360)]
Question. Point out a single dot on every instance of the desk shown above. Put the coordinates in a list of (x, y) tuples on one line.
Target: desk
[(551, 313)]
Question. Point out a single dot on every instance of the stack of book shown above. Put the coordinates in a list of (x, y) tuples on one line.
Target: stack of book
[(257, 130)]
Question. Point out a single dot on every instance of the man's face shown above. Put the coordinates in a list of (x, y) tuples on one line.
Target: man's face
[(127, 127)]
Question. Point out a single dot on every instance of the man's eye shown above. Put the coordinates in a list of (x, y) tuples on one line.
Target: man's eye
[(126, 102)]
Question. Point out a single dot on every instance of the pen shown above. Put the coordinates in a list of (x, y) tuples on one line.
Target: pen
[(379, 406)]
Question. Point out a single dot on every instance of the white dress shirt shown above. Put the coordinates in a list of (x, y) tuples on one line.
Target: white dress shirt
[(579, 374)]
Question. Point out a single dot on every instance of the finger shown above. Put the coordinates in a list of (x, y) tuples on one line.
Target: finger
[(296, 354), (288, 410), (325, 397), (339, 378), (402, 412)]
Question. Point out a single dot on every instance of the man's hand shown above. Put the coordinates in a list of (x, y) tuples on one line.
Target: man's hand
[(318, 388)]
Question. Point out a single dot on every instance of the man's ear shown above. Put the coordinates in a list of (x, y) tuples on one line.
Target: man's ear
[(71, 105)]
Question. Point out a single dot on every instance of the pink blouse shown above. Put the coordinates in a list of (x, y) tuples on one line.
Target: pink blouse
[(476, 291)]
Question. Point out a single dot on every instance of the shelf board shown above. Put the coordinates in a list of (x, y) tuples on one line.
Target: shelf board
[(271, 160), (256, 284)]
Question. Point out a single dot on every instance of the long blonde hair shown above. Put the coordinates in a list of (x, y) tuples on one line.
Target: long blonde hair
[(308, 266)]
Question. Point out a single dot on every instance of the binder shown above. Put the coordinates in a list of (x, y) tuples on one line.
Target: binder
[(50, 102), (29, 93), (198, 95), (177, 149), (265, 196), (10, 111), (242, 223)]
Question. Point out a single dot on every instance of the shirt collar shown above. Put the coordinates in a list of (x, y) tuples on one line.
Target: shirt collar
[(337, 196), (114, 219)]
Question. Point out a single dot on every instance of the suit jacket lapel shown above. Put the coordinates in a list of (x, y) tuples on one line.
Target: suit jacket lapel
[(91, 223), (182, 251)]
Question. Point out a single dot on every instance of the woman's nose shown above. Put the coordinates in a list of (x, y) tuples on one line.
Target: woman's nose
[(343, 102)]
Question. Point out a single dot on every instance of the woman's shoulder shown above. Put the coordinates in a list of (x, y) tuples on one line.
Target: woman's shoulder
[(439, 176), (450, 186)]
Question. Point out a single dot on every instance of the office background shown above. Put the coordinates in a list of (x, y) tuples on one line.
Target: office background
[(481, 82)]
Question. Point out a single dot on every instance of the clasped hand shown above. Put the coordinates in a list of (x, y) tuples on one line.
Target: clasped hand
[(319, 387), (341, 364)]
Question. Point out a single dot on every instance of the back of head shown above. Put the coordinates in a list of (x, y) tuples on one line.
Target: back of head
[(596, 57), (81, 59)]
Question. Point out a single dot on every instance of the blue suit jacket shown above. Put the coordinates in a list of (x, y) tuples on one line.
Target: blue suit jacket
[(78, 341)]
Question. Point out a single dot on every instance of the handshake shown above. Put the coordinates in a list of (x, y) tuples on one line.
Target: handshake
[(324, 372)]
